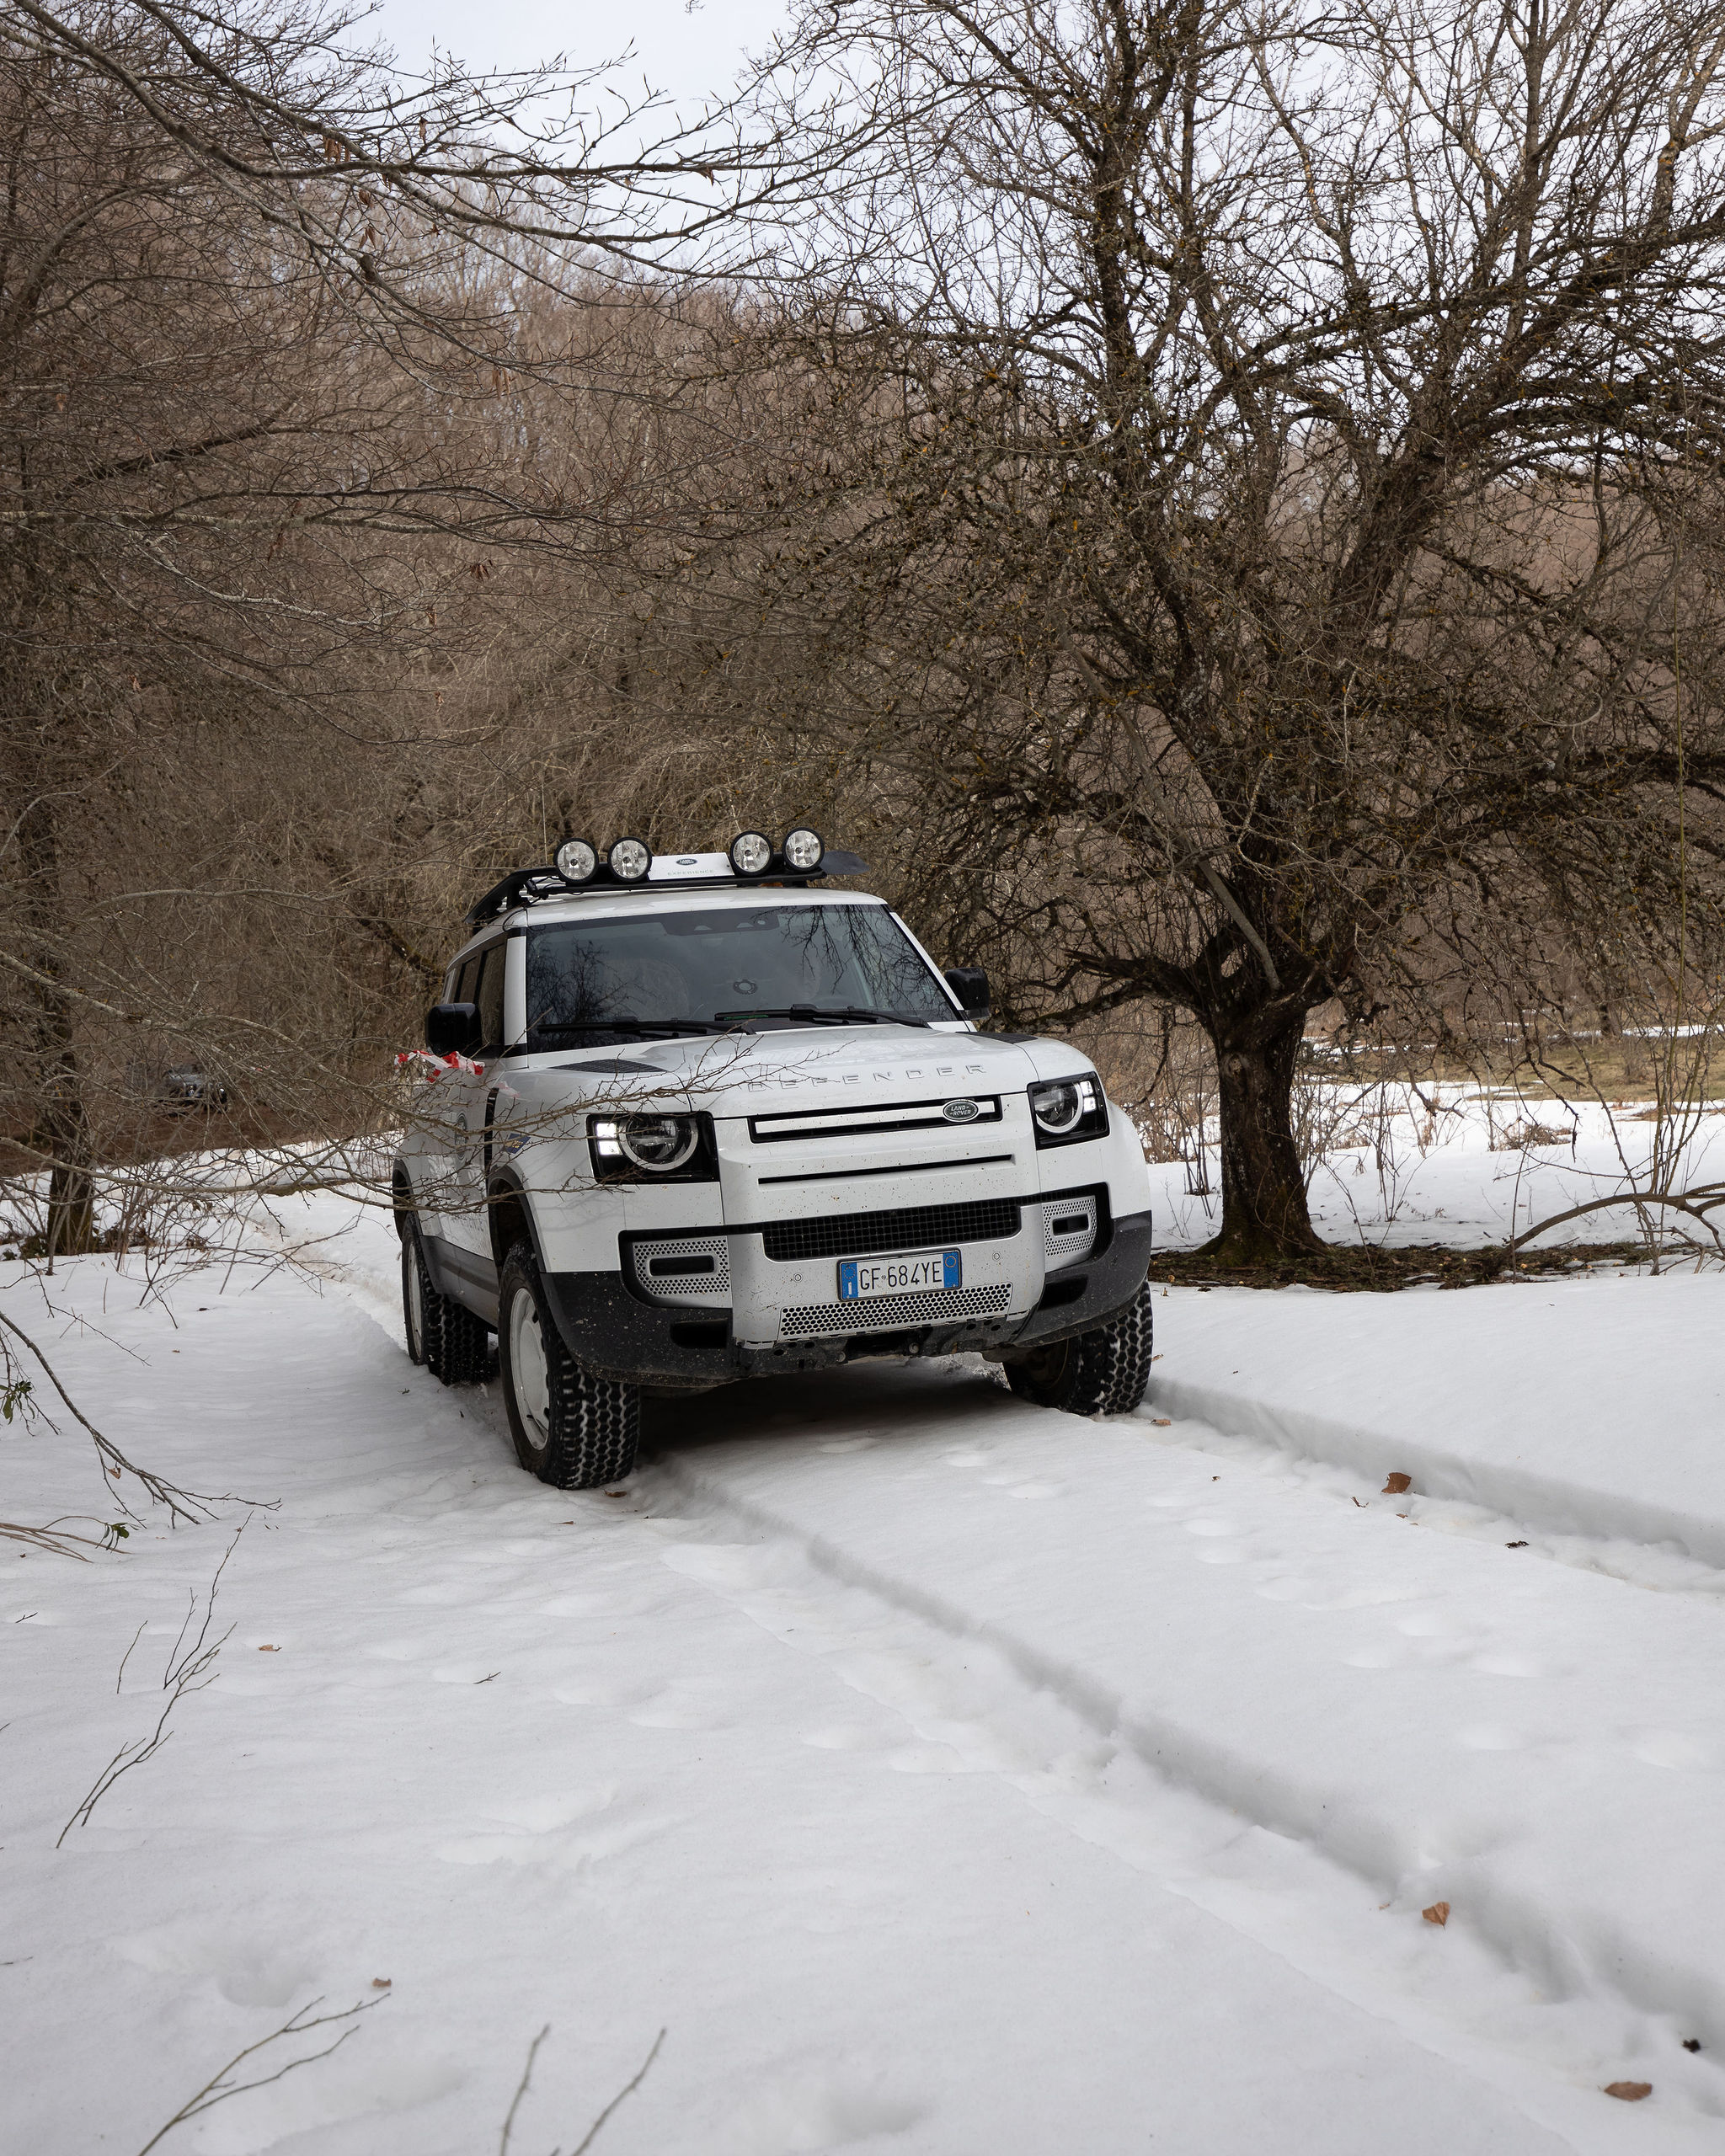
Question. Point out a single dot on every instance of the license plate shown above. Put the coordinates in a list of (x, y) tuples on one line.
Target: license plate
[(929, 1270)]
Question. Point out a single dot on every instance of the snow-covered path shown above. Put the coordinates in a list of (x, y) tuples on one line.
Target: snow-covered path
[(942, 1775)]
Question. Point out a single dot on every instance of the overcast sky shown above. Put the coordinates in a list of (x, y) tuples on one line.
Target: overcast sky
[(688, 52)]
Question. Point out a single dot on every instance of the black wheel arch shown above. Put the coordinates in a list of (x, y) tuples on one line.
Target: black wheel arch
[(510, 1217), (405, 1204)]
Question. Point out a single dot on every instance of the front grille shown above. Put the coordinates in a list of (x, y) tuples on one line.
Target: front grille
[(888, 1313), (812, 1125), (908, 1227)]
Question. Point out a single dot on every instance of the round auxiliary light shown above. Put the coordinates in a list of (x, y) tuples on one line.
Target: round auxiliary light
[(751, 853), (630, 859), (803, 850), (576, 861), (660, 1143)]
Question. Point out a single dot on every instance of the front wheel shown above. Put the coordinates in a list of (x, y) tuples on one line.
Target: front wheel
[(572, 1428), (1100, 1372)]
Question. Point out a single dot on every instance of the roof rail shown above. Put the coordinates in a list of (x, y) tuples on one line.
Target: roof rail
[(523, 887)]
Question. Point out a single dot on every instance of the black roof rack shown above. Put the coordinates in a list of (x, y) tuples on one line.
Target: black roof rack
[(523, 887)]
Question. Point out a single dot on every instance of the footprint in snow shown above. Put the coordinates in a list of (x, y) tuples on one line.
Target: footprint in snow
[(556, 1833), (678, 1706), (1512, 1665), (849, 1736), (802, 2112), (1673, 1748), (245, 1972)]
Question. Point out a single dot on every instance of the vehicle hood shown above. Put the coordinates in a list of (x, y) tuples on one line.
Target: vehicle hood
[(819, 1066)]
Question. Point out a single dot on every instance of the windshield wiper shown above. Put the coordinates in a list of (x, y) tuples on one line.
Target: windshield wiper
[(850, 1014), (628, 1026)]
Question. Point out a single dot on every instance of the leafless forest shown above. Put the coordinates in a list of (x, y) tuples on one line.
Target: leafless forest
[(1220, 506)]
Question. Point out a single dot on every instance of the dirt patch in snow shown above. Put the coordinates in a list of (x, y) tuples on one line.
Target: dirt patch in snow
[(1366, 1267)]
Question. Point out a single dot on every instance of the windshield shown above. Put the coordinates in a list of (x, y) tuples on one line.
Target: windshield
[(723, 967)]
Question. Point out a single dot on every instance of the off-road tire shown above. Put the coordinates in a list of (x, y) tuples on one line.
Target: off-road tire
[(416, 1293), (585, 1431), (1100, 1372), (452, 1343)]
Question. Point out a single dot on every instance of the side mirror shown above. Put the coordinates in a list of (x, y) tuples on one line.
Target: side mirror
[(969, 983), (452, 1028)]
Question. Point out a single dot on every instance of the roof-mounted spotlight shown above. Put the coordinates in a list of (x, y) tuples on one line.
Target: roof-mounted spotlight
[(576, 861), (803, 850), (629, 860), (751, 853)]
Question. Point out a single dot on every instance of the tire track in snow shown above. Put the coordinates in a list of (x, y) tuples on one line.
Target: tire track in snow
[(1302, 1867), (1645, 1546)]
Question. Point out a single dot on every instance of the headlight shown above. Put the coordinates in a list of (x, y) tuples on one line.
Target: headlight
[(803, 850), (751, 853), (576, 861), (1067, 1109), (659, 1142), (630, 859), (640, 1148)]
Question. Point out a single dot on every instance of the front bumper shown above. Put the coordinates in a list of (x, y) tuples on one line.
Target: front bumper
[(689, 1347)]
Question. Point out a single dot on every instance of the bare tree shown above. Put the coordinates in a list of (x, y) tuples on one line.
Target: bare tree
[(1253, 508), (286, 369)]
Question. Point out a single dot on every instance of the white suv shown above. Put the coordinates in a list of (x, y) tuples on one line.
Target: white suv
[(696, 1117)]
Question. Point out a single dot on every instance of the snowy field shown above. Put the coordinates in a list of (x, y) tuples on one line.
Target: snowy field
[(942, 1775)]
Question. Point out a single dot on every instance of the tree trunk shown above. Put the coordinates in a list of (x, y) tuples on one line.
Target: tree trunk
[(1264, 1214), (61, 1123), (63, 1132)]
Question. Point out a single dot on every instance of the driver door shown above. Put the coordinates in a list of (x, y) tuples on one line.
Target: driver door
[(466, 1100)]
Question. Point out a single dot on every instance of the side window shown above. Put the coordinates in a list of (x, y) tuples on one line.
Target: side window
[(489, 998), (464, 980)]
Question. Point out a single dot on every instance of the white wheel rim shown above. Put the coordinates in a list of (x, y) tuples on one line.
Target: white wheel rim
[(416, 1304), (530, 1373)]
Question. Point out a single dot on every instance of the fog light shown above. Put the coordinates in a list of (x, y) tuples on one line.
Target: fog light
[(751, 853), (576, 861), (803, 850), (630, 859)]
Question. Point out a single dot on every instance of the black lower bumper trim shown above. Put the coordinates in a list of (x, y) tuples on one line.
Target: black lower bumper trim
[(685, 1347), (1109, 1280), (618, 1336)]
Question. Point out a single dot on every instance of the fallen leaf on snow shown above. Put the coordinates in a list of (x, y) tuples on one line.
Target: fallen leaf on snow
[(269, 1650), (1438, 1912), (1515, 1545), (1394, 1485), (1691, 2043), (379, 1983), (1162, 1421), (1629, 2092)]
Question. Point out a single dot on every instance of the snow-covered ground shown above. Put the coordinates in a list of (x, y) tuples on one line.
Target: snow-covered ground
[(942, 1775), (1437, 1167)]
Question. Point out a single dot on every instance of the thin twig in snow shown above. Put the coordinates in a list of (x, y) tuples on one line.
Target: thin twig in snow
[(217, 2089), (126, 1657), (592, 2132), (190, 1672), (170, 1674), (521, 2089), (182, 1504)]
